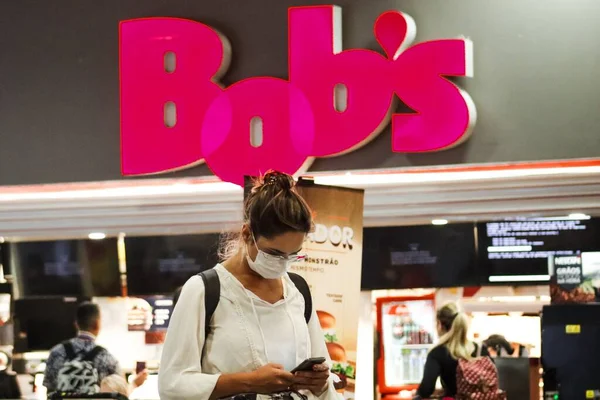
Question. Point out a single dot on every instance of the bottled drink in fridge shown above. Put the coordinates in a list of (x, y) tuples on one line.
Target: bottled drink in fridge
[(414, 367), (423, 360), (428, 339), (415, 334), (406, 373), (422, 337), (399, 365)]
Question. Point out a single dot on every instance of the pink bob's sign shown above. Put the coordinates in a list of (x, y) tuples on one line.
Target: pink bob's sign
[(175, 114)]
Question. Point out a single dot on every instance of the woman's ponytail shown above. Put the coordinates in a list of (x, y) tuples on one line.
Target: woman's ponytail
[(456, 325)]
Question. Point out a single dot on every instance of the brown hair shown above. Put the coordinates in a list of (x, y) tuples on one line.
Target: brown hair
[(272, 207), (456, 325)]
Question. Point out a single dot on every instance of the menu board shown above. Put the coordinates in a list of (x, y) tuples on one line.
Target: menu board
[(521, 248), (161, 264), (149, 314), (405, 257), (66, 267)]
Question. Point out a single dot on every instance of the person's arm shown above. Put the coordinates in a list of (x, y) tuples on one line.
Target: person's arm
[(430, 376), (107, 364), (55, 360), (180, 375), (485, 351), (319, 349)]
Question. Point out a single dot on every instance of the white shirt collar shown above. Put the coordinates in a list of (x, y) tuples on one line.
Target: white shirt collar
[(86, 335)]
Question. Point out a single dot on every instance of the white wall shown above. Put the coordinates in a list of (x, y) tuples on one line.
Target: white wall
[(128, 347), (364, 352)]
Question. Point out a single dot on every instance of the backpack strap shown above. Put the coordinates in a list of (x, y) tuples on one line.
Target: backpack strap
[(303, 288), (69, 350), (92, 354), (212, 294)]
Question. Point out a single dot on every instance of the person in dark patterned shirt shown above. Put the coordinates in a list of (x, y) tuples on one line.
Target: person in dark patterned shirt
[(88, 324)]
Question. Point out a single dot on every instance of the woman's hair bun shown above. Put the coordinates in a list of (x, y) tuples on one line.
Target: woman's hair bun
[(278, 180)]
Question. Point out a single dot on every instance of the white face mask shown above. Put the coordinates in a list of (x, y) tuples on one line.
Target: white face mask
[(269, 266)]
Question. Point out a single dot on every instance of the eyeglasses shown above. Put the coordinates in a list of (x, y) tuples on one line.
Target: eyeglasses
[(290, 258), (276, 257)]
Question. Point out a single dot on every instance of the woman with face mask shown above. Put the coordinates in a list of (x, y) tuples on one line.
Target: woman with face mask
[(258, 332)]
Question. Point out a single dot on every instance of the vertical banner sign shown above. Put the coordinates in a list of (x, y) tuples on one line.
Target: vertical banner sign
[(332, 268)]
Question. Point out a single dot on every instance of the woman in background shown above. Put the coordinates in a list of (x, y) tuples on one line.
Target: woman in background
[(498, 346), (442, 360)]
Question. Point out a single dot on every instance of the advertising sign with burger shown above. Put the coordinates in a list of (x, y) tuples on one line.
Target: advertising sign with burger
[(332, 268), (345, 370), (149, 314)]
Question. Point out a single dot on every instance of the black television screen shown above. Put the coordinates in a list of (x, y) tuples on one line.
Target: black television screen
[(101, 261), (429, 256), (41, 323), (518, 251), (4, 259), (161, 264), (67, 267)]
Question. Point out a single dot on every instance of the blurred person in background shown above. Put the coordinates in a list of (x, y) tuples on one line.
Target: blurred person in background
[(9, 387), (115, 384), (442, 360), (498, 346), (79, 365)]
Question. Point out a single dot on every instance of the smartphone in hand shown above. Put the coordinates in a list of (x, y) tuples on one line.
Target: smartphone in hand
[(140, 366), (308, 364)]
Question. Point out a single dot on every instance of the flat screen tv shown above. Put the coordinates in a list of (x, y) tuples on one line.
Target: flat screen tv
[(4, 259), (518, 250), (41, 323), (160, 264), (405, 257), (67, 267)]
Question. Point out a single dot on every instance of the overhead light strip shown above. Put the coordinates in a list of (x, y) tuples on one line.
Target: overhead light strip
[(519, 278), (360, 179)]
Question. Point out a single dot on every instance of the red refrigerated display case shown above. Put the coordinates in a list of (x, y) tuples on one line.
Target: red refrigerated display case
[(407, 331)]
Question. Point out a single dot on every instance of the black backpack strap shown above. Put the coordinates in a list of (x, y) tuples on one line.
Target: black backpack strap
[(92, 354), (212, 294), (69, 350), (303, 288)]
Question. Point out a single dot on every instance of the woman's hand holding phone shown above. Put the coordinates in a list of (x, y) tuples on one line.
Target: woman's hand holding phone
[(316, 380), (271, 378)]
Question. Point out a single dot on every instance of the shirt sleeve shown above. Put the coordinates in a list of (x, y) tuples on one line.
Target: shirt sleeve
[(107, 364), (430, 376), (55, 360), (180, 376), (319, 349)]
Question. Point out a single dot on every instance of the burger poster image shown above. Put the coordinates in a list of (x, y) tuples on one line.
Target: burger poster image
[(332, 268), (341, 366), (149, 314)]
